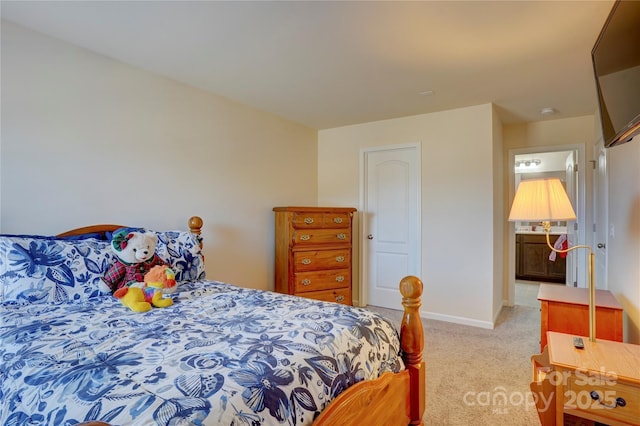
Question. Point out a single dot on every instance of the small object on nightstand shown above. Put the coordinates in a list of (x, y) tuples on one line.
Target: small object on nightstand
[(578, 343)]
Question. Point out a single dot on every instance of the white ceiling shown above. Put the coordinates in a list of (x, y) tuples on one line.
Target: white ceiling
[(327, 64)]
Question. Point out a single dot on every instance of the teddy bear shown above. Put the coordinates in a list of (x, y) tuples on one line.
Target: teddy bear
[(140, 297), (135, 256)]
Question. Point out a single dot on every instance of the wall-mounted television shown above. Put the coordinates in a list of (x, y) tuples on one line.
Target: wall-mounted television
[(616, 63)]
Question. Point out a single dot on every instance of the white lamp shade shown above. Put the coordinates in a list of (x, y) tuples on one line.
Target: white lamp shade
[(541, 200)]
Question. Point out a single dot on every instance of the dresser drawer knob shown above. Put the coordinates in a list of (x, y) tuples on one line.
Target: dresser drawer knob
[(340, 299), (306, 281), (308, 220), (619, 402), (305, 237), (339, 278), (342, 236), (340, 259), (337, 220), (306, 261)]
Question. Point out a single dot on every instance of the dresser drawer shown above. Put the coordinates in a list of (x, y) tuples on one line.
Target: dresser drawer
[(340, 295), (317, 260), (578, 396), (321, 236), (311, 220), (322, 280), (336, 220), (304, 220)]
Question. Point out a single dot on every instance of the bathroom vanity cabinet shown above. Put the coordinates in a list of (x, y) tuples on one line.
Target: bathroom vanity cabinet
[(532, 259)]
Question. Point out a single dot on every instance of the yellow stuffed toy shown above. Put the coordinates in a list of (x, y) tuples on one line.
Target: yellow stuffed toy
[(159, 280)]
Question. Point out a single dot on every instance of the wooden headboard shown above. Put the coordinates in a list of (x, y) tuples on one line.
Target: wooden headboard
[(195, 226)]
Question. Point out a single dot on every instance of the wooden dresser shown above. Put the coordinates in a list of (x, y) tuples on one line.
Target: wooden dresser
[(566, 310), (313, 250)]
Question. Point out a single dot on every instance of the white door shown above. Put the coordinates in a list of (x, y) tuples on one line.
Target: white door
[(391, 222), (600, 218), (571, 185)]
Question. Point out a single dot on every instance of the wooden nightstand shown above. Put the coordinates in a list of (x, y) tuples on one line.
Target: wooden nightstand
[(600, 382), (566, 310)]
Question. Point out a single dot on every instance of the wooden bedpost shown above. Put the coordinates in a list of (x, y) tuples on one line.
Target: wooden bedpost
[(391, 399), (412, 340)]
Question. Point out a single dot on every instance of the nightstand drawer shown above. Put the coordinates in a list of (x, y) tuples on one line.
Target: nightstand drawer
[(322, 280), (317, 260), (603, 396)]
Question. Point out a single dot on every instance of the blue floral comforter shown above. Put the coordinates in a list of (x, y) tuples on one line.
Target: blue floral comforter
[(221, 355)]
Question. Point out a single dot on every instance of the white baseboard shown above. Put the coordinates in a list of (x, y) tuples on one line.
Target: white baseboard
[(450, 318), (458, 320)]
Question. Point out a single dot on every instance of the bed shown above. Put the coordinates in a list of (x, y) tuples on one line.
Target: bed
[(70, 353)]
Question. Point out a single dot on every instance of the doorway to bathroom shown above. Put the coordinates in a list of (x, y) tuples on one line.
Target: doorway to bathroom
[(531, 260)]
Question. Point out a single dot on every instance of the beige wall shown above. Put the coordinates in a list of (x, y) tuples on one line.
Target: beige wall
[(623, 246), (86, 140), (457, 265)]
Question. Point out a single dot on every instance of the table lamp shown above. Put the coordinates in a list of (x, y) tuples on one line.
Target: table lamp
[(546, 201)]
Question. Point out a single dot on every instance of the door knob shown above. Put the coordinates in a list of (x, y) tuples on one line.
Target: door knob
[(370, 237), (601, 245)]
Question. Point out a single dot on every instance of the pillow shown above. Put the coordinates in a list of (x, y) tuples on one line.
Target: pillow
[(181, 249), (95, 235), (37, 269)]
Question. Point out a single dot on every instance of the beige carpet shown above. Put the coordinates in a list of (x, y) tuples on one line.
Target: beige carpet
[(477, 376)]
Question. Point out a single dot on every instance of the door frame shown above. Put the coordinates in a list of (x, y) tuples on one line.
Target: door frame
[(600, 216), (363, 287), (580, 213)]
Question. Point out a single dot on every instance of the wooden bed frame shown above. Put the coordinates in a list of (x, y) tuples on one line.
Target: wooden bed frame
[(392, 399)]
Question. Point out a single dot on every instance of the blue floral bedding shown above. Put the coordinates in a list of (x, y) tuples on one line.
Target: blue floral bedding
[(221, 355)]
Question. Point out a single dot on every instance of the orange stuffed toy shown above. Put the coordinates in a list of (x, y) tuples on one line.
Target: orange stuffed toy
[(162, 277), (159, 280)]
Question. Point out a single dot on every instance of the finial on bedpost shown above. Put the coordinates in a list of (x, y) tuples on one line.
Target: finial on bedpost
[(412, 338), (195, 224)]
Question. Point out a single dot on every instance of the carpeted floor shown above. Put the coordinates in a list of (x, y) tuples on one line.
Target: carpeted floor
[(477, 376)]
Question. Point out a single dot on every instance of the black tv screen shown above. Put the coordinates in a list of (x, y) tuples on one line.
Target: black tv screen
[(616, 63)]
